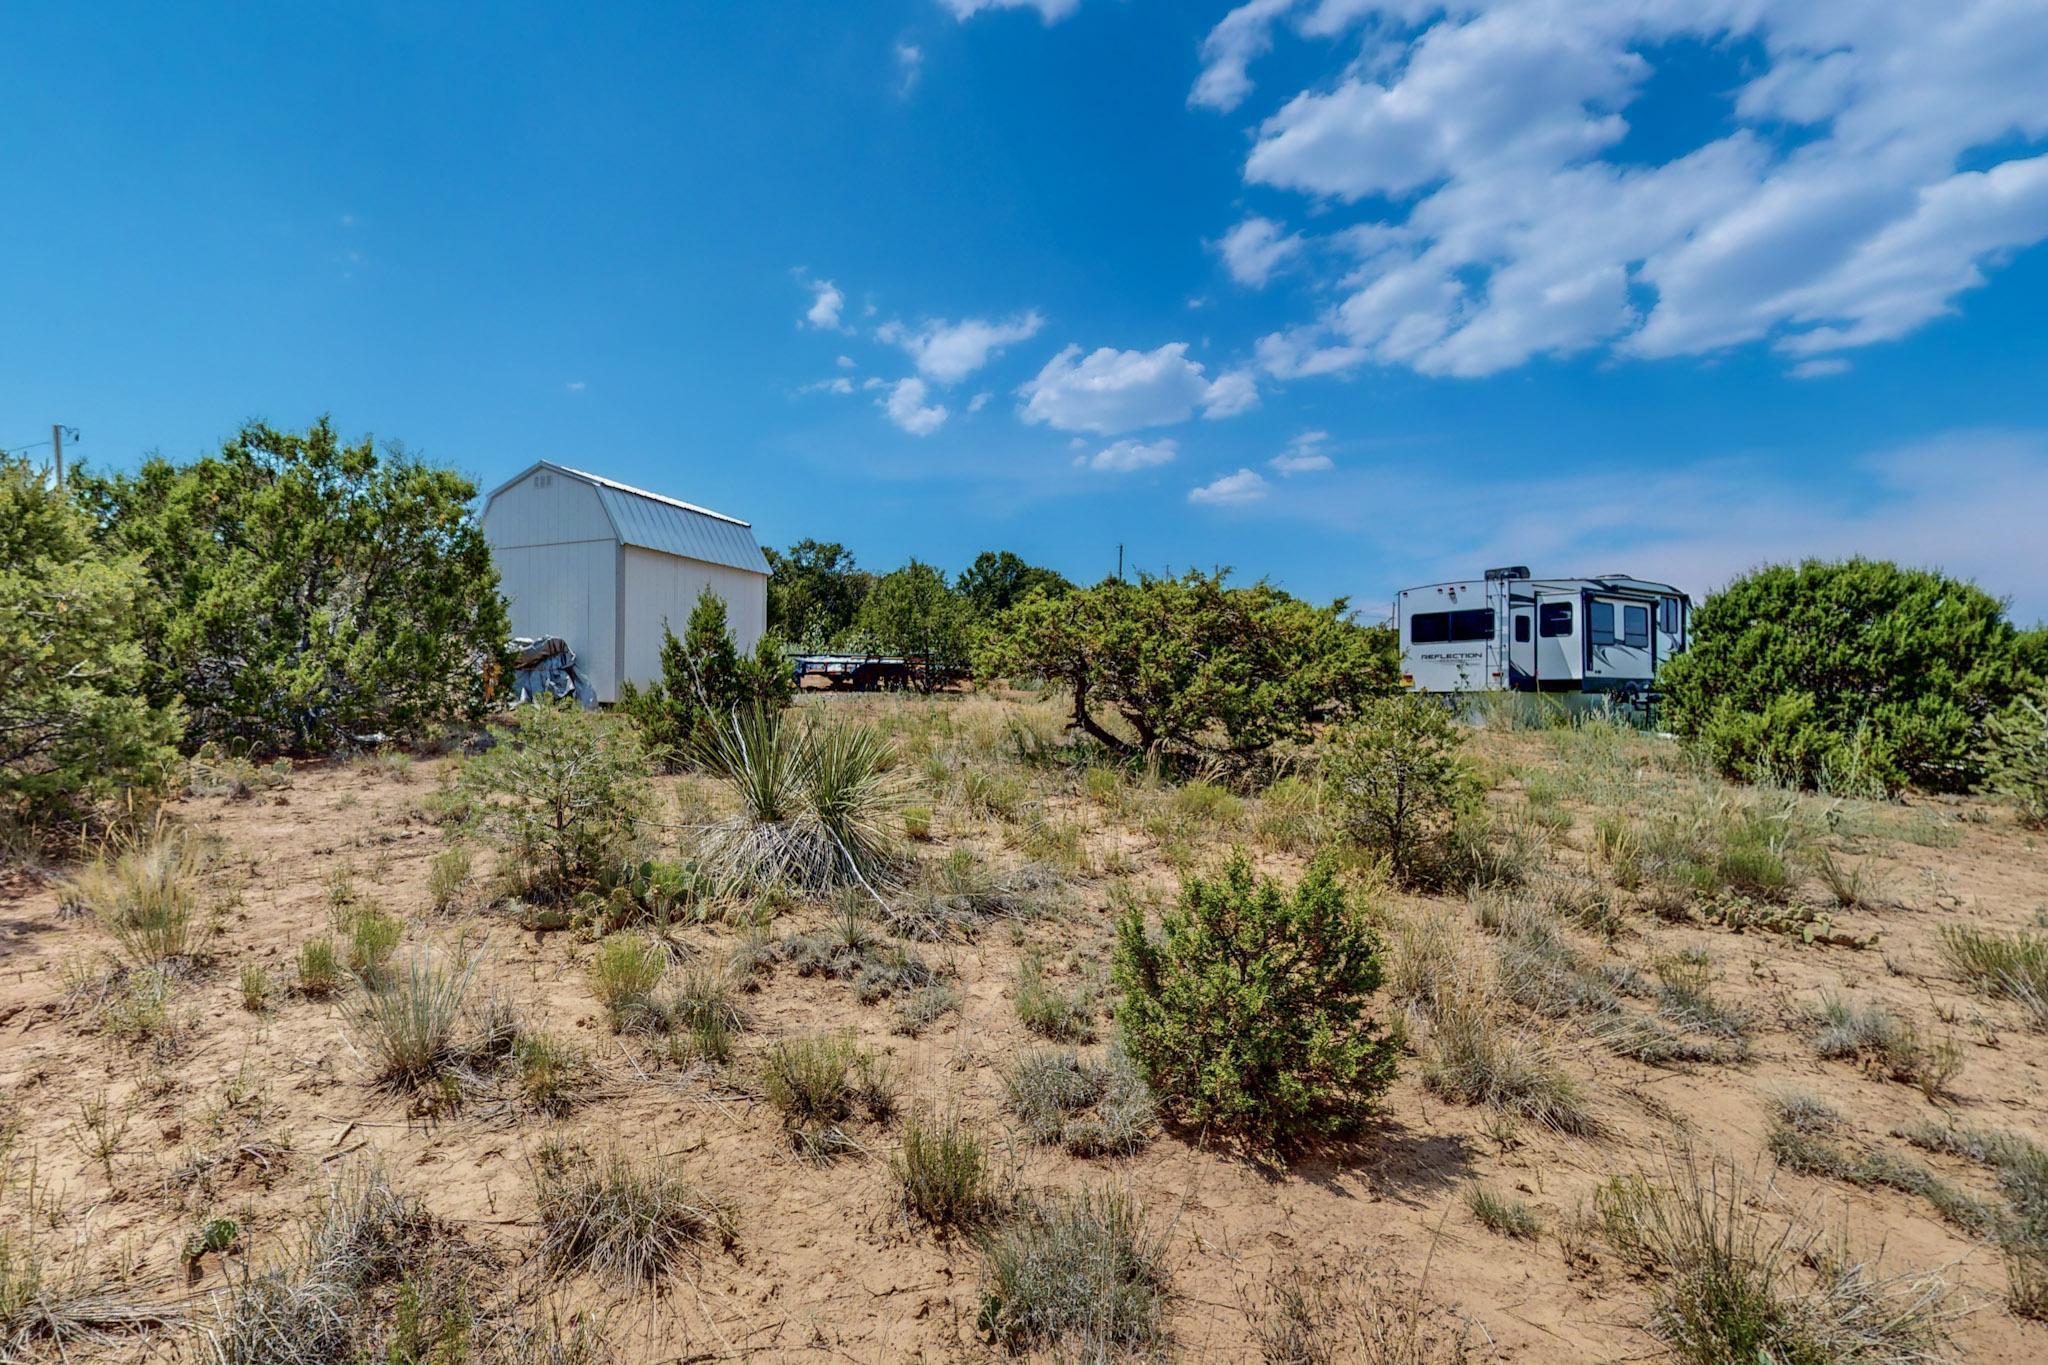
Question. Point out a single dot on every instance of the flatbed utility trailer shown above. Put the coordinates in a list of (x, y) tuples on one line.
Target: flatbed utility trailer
[(859, 672), (1508, 631)]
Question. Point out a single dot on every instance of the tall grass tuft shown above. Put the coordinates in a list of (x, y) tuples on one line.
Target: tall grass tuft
[(411, 1028), (628, 1219), (149, 897), (2015, 968), (943, 1171), (1075, 1273)]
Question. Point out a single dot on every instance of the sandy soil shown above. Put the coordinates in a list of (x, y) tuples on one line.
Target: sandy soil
[(825, 1265)]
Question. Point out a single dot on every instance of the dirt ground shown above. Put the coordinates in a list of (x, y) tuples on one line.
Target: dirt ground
[(270, 1105)]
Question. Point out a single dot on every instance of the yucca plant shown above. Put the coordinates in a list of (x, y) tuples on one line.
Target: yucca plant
[(815, 803)]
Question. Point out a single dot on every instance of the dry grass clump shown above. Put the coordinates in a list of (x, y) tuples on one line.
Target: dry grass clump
[(1804, 1137), (819, 1084), (958, 896), (2015, 968), (151, 898), (1729, 1284), (1885, 1044), (1374, 1315), (1076, 1274), (551, 1077), (626, 1219), (1064, 1016), (2021, 1167), (625, 971), (943, 1171), (412, 1028), (1090, 1107), (313, 1307), (1501, 1213), (1475, 1056)]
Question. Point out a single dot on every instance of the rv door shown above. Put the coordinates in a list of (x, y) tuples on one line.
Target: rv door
[(1618, 640), (1557, 642)]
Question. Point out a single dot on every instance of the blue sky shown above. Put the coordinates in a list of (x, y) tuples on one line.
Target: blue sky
[(1351, 295)]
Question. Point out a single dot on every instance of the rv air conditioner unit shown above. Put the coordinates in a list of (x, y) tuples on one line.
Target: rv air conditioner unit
[(1511, 571)]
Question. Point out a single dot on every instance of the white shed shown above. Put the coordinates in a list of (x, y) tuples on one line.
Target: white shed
[(603, 565)]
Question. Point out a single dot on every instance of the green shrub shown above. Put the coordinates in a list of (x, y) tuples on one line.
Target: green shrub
[(2016, 758), (564, 792), (1077, 1271), (305, 591), (1398, 782), (411, 1028), (704, 679), (1191, 666), (819, 1083), (1856, 675), (74, 729), (256, 988), (551, 1076), (1248, 1013)]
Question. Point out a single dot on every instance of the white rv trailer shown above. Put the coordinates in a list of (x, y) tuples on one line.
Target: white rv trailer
[(1510, 632)]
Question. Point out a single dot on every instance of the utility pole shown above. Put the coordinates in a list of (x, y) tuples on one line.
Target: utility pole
[(57, 444), (1119, 559)]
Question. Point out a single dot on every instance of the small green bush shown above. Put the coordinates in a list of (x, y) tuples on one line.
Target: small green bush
[(1507, 1216), (2016, 758), (372, 936), (447, 875), (1248, 1013), (256, 988), (563, 792), (1398, 782)]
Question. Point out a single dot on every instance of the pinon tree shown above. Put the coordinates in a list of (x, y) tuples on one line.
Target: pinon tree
[(305, 591), (74, 728), (1856, 674), (1192, 665), (704, 681)]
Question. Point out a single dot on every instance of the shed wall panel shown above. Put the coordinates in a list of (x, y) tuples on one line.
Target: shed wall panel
[(570, 590), (658, 587), (560, 511)]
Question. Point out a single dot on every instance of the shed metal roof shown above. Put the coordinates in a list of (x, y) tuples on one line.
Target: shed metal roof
[(656, 522)]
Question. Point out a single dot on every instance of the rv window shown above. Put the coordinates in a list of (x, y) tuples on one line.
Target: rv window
[(1522, 629), (1667, 616), (1472, 625), (1600, 622), (1556, 619), (1429, 628), (1635, 627)]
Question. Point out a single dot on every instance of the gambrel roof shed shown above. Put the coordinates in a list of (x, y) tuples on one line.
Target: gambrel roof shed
[(605, 565)]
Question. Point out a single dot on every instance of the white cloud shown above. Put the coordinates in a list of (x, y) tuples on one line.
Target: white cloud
[(575, 386), (1121, 457), (1232, 490), (906, 407), (838, 384), (979, 401), (947, 352), (1234, 391), (1501, 221), (1254, 249), (826, 302), (1821, 368), (1110, 391), (1052, 11), (909, 66), (1304, 455), (847, 362)]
